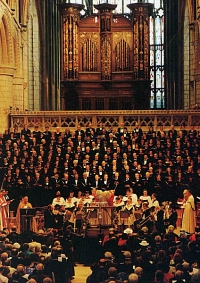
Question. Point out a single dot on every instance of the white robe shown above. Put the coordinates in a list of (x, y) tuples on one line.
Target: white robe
[(189, 216)]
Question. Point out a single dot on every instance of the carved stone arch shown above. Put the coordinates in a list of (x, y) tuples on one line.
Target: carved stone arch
[(3, 45), (8, 39)]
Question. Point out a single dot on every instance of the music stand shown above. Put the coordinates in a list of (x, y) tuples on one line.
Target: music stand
[(26, 215), (79, 215), (138, 215), (27, 212), (124, 214)]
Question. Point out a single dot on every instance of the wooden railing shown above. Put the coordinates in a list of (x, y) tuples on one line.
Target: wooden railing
[(71, 119)]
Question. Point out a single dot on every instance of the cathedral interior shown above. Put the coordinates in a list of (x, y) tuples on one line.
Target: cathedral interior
[(98, 55)]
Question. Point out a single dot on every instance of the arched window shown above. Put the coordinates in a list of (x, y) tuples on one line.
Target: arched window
[(157, 74)]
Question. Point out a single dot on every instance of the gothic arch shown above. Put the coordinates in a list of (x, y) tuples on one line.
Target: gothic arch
[(3, 45), (6, 42)]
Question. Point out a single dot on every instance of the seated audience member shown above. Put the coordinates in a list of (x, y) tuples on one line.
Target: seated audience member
[(133, 278), (159, 276), (112, 273), (38, 274)]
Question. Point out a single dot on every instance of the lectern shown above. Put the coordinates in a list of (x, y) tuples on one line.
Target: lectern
[(26, 216)]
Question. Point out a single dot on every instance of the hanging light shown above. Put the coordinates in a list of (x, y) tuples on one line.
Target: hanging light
[(74, 1)]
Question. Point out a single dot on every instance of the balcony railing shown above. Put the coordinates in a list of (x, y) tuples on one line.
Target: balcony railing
[(71, 119)]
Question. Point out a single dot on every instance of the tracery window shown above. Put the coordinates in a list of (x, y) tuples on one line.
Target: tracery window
[(157, 74)]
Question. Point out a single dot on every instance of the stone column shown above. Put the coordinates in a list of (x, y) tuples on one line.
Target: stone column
[(6, 90)]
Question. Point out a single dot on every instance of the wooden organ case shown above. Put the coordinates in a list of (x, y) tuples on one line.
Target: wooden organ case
[(105, 58)]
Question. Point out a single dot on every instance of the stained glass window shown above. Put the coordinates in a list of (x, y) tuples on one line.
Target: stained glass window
[(157, 100)]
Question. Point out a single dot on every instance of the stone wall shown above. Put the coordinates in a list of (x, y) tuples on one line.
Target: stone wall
[(13, 58)]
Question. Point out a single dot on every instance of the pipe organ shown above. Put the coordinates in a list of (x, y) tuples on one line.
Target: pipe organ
[(104, 56)]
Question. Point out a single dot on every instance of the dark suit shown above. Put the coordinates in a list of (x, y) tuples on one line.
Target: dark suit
[(97, 184), (85, 184), (49, 219), (80, 133), (88, 131)]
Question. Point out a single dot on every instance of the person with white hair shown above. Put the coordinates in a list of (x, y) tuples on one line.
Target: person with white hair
[(133, 278), (139, 271)]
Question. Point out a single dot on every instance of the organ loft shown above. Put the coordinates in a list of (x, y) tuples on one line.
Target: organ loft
[(105, 56)]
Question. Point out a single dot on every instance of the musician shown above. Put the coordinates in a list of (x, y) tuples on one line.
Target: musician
[(81, 209), (58, 200), (58, 216), (173, 216), (129, 207), (49, 220), (138, 205), (154, 200), (129, 193), (118, 203), (87, 199), (148, 215), (70, 206), (146, 198), (160, 219)]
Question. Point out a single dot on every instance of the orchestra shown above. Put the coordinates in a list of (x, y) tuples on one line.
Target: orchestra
[(109, 210)]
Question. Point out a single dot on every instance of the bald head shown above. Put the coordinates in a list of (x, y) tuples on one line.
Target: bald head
[(138, 271), (20, 269), (31, 281), (39, 266), (133, 278), (179, 274)]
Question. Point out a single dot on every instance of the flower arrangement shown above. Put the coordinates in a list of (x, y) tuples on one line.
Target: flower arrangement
[(103, 196)]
